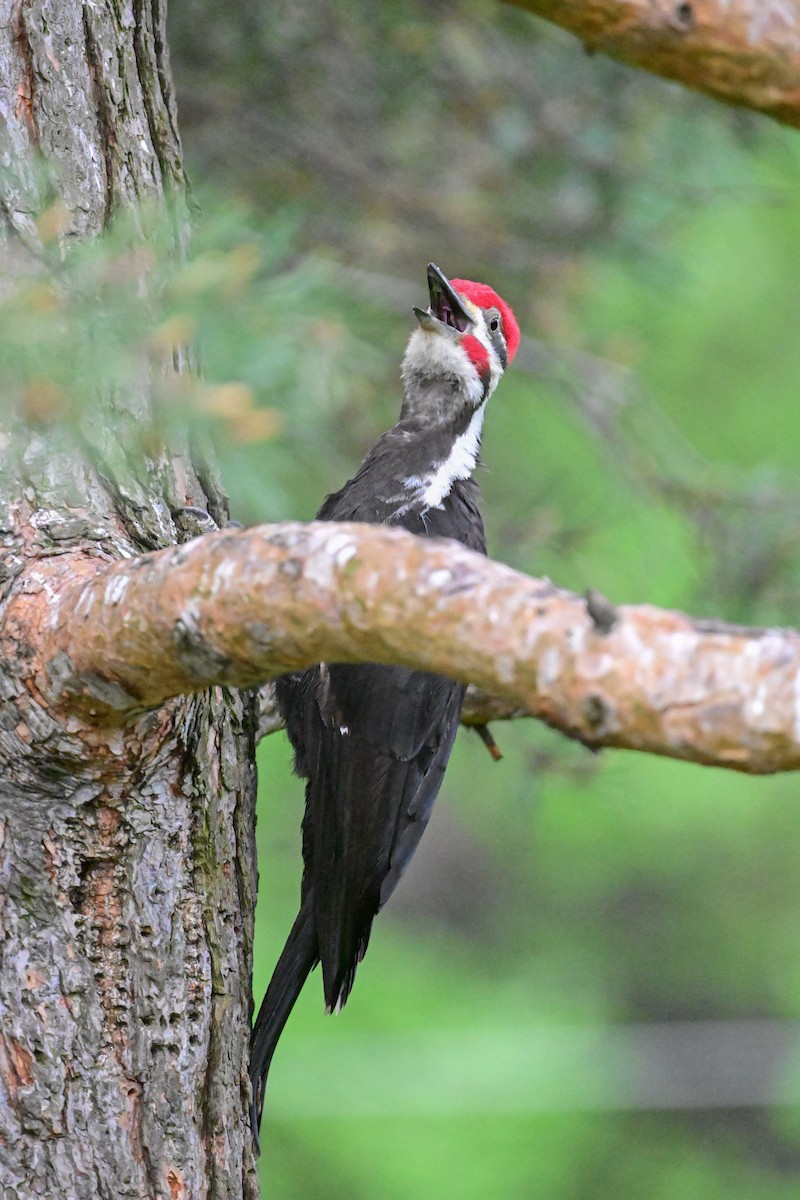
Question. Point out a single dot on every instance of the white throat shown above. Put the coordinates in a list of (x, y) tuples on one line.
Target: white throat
[(459, 464)]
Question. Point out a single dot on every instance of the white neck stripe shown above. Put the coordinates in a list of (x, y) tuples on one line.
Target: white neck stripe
[(459, 464)]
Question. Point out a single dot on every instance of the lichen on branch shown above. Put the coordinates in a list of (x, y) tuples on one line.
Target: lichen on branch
[(238, 608)]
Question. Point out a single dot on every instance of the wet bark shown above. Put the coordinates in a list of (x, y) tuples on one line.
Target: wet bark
[(127, 870)]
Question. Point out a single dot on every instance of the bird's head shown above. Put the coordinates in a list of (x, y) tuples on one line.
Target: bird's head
[(465, 340)]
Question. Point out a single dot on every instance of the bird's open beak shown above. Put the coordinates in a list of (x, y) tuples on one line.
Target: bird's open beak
[(446, 310)]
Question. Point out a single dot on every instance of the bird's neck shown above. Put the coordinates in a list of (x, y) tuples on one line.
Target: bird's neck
[(439, 455), (443, 397)]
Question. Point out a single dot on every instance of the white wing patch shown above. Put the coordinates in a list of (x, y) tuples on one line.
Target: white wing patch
[(459, 464)]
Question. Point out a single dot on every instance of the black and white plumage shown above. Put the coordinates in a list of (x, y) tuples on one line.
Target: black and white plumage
[(373, 741)]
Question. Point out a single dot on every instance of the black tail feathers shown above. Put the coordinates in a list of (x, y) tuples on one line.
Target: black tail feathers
[(298, 956)]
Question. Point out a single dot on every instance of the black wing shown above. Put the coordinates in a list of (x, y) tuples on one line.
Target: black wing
[(373, 742)]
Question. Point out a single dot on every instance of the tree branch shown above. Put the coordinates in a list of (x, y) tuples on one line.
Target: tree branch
[(743, 52), (238, 608)]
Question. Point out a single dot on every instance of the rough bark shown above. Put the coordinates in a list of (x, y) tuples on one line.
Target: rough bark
[(237, 608), (126, 856), (744, 52)]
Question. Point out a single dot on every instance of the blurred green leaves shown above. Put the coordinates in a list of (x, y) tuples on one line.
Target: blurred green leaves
[(241, 338)]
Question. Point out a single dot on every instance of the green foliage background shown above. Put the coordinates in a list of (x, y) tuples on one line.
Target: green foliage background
[(645, 445)]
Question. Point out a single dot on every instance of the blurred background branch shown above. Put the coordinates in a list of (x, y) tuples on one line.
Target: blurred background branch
[(746, 52)]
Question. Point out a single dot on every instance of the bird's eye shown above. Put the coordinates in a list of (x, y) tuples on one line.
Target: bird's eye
[(494, 324)]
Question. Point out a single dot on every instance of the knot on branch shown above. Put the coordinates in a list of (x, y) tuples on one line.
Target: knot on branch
[(602, 612)]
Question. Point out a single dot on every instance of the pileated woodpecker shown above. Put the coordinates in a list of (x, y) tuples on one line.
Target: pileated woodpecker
[(373, 741)]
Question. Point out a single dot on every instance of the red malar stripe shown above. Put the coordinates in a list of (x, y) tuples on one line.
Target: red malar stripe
[(477, 353)]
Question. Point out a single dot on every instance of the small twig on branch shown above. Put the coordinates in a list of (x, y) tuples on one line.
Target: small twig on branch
[(744, 52), (238, 608), (488, 741)]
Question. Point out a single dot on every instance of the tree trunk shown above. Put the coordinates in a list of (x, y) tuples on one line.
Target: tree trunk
[(127, 859)]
